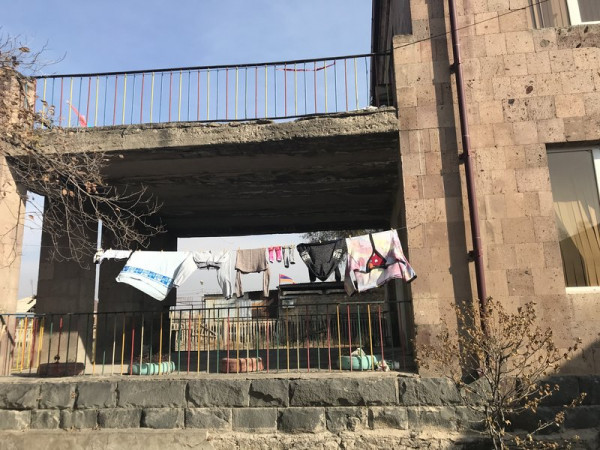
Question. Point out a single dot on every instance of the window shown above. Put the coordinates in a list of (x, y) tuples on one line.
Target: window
[(574, 176), (584, 11)]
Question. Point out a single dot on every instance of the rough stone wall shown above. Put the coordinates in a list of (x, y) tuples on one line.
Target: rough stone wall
[(363, 403), (525, 89), (12, 215)]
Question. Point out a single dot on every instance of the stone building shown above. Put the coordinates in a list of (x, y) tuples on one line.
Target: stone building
[(532, 92), (533, 105)]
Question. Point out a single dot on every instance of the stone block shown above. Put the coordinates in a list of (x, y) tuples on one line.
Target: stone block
[(538, 63), (441, 417), (592, 103), (548, 281), (577, 82), (45, 420), (96, 394), (57, 395), (569, 105), (525, 133), (518, 230), (519, 42), (515, 110), (14, 420), (561, 60), (255, 419), (388, 417), (163, 418), (221, 393), (119, 418), (346, 418), (520, 282), (552, 130), (568, 390), (495, 44), (19, 396), (78, 419), (428, 392), (208, 418), (583, 417), (548, 84), (516, 21), (545, 229), (590, 384), (343, 392), (491, 112), (541, 108), (544, 39), (533, 179), (269, 392), (586, 58), (152, 394), (302, 420), (468, 418)]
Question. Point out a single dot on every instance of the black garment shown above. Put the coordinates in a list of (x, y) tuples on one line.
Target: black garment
[(322, 259)]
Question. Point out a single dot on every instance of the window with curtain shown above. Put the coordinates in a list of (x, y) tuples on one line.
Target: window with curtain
[(574, 180)]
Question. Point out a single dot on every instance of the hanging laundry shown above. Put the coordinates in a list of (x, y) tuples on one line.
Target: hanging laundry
[(275, 254), (292, 257), (373, 260), (285, 250), (323, 259), (101, 255), (156, 273), (251, 261), (222, 261)]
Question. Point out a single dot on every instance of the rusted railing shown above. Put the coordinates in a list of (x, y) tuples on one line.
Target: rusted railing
[(275, 90), (302, 337)]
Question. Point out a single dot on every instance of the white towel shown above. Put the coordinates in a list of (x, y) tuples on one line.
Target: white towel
[(156, 273)]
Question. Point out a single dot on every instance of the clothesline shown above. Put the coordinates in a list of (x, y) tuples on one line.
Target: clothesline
[(371, 260)]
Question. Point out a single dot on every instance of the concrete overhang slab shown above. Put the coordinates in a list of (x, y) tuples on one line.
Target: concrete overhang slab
[(337, 171)]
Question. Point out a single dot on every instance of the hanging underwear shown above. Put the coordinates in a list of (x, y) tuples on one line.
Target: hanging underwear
[(322, 259)]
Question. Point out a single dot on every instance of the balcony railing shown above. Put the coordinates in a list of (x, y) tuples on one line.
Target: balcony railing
[(273, 91), (328, 337)]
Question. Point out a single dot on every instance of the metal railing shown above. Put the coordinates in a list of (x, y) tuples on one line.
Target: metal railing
[(305, 337), (275, 90)]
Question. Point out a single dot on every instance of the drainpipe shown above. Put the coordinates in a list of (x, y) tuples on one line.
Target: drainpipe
[(477, 252)]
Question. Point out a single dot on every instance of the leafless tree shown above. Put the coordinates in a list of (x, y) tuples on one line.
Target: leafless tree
[(76, 194)]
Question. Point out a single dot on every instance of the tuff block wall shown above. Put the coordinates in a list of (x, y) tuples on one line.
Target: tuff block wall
[(525, 89), (372, 407)]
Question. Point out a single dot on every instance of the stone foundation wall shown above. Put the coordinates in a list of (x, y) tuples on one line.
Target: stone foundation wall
[(360, 403)]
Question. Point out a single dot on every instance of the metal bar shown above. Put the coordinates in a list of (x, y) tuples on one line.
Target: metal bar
[(160, 340), (77, 338), (198, 344), (124, 99), (123, 345), (266, 92), (307, 339), (179, 344), (356, 84), (287, 339), (142, 101), (170, 92), (151, 336), (114, 346), (115, 101), (315, 83), (285, 88), (328, 341), (87, 108), (226, 94), (198, 100), (229, 66), (359, 330), (96, 102), (179, 98), (256, 92), (41, 341), (295, 90), (228, 337), (236, 93), (267, 333), (349, 336), (188, 94), (346, 81), (104, 346), (152, 103), (335, 84), (208, 94), (87, 337), (132, 100), (60, 116), (51, 333), (70, 101), (79, 99), (325, 78), (380, 334), (339, 338), (132, 346), (189, 340), (370, 336), (142, 342)]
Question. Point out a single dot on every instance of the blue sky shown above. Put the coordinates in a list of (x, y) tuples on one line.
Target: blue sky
[(130, 35)]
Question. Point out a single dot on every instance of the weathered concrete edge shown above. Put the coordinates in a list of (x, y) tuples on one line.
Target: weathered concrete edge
[(196, 134)]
